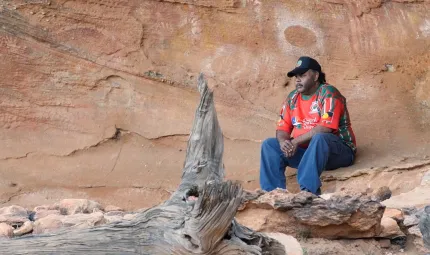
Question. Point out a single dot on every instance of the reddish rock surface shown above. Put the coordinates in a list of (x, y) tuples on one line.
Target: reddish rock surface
[(395, 214), (97, 97), (305, 215)]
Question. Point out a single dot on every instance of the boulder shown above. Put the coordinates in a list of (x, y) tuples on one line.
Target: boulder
[(385, 243), (43, 213), (390, 229), (84, 220), (48, 224), (46, 207), (411, 220), (114, 216), (6, 230), (13, 215), (26, 228), (415, 230), (54, 222), (129, 216), (395, 214), (343, 215), (417, 197), (74, 206), (292, 246), (381, 194), (111, 208)]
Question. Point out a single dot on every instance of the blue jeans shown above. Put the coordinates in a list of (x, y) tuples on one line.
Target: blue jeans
[(325, 152)]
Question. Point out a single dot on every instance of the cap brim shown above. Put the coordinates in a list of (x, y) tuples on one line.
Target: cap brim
[(296, 71)]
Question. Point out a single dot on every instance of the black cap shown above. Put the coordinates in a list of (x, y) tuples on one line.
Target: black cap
[(303, 65)]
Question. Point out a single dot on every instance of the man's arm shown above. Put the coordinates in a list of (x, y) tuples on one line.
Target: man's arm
[(284, 139), (285, 142), (306, 137), (282, 135)]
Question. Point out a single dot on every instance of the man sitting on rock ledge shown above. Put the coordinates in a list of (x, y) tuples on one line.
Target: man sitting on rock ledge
[(313, 133)]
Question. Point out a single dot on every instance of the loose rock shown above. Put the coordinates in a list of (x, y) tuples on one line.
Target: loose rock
[(415, 230), (381, 194), (74, 206), (292, 246), (343, 215), (390, 229), (111, 208), (26, 228), (6, 230), (48, 224), (54, 222), (395, 214), (129, 216), (411, 220), (43, 213), (84, 220), (385, 243), (114, 216), (13, 215)]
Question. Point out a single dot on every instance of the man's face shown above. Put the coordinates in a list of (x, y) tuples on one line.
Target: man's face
[(306, 82)]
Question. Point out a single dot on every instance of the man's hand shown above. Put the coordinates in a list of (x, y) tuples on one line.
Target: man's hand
[(289, 148)]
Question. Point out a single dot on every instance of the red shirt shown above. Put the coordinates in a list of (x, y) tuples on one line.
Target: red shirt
[(327, 107)]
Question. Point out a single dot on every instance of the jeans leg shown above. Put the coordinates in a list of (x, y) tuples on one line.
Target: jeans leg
[(325, 150), (273, 163), (272, 166), (341, 155)]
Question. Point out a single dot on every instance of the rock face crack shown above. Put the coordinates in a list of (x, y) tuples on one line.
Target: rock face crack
[(116, 136), (15, 194), (116, 160), (360, 173), (17, 157)]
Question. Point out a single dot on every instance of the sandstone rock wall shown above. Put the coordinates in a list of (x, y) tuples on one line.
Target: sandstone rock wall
[(97, 97)]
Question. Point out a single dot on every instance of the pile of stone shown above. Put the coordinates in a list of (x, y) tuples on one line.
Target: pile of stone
[(342, 215), (68, 213), (286, 216)]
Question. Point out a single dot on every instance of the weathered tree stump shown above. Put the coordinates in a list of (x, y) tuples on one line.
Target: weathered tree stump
[(181, 225)]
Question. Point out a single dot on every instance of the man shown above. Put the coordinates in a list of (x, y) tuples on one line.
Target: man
[(313, 133)]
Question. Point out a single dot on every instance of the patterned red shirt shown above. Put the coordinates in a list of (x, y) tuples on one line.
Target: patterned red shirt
[(327, 107)]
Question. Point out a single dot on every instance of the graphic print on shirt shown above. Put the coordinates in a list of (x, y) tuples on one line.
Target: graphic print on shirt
[(327, 117), (309, 123), (281, 121), (305, 123), (296, 122), (314, 107)]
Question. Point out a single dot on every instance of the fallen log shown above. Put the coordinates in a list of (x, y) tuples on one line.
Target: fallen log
[(197, 219)]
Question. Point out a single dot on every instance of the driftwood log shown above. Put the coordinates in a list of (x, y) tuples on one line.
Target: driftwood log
[(204, 224)]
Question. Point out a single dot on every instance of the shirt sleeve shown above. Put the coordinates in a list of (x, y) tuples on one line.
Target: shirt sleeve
[(332, 110), (284, 122)]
